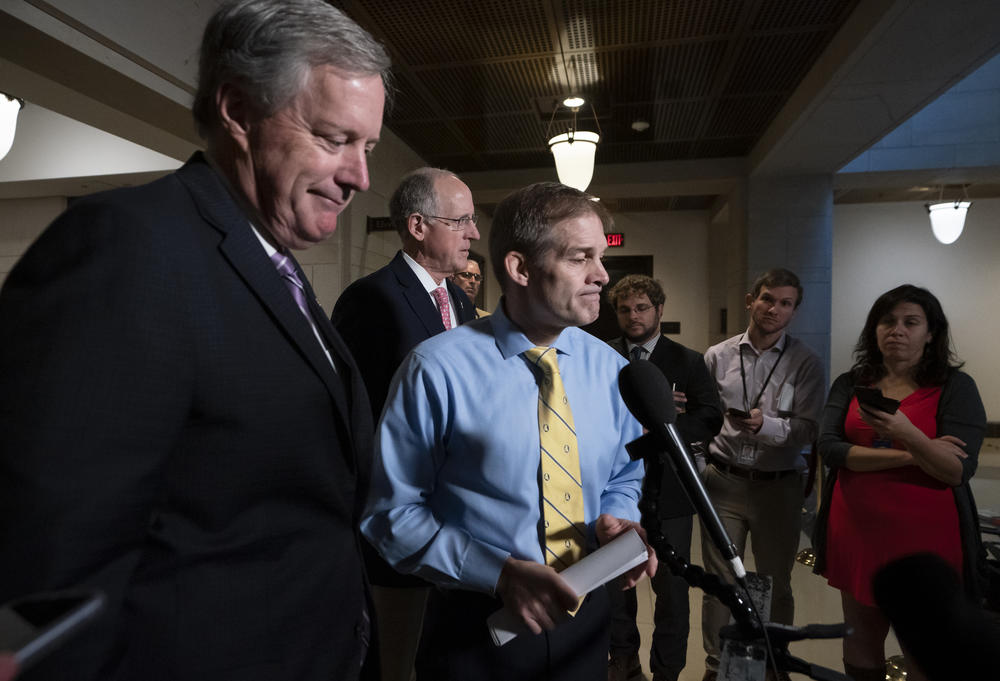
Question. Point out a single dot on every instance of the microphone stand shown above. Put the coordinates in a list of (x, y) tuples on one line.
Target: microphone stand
[(748, 638)]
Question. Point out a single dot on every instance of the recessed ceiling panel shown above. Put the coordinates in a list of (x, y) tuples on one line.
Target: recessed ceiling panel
[(489, 88), (499, 133), (423, 32), (598, 23), (743, 116), (802, 14), (775, 63), (476, 78)]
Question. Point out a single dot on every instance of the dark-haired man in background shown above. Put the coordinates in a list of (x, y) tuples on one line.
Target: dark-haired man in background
[(638, 302), (182, 426)]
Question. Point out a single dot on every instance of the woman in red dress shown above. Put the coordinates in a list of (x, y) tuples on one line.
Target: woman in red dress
[(898, 483)]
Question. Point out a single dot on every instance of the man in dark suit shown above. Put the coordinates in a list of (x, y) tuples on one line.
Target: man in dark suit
[(381, 318), (638, 301), (384, 315), (182, 426)]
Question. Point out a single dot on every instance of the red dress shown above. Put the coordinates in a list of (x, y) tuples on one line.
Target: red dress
[(878, 516)]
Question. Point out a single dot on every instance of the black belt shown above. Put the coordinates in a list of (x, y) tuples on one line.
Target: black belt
[(748, 473)]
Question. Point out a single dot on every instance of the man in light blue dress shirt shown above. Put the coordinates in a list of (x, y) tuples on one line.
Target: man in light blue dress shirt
[(456, 496)]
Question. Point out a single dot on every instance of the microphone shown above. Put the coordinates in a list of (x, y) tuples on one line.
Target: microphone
[(946, 633), (649, 397)]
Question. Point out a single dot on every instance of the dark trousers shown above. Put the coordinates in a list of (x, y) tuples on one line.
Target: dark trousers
[(456, 643), (671, 613)]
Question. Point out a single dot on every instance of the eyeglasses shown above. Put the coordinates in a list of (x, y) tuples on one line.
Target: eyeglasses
[(461, 223), (469, 275), (640, 308)]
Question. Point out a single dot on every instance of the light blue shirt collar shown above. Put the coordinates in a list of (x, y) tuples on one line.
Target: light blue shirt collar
[(511, 340)]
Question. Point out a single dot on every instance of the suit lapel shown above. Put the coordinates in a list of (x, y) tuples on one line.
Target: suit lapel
[(620, 345), (665, 357), (416, 297), (241, 248), (464, 310)]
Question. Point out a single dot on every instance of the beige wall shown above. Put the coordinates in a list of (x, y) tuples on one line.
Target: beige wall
[(879, 246), (330, 266), (678, 242)]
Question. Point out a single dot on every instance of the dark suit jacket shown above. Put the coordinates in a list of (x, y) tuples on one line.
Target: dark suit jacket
[(384, 315), (174, 434), (702, 419)]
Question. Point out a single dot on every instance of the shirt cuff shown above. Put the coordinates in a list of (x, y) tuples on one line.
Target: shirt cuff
[(772, 429), (482, 566)]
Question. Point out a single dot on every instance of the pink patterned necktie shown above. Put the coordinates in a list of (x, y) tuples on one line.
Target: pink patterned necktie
[(441, 295), (292, 281)]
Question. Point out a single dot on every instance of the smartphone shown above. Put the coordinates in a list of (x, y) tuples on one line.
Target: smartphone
[(738, 413), (33, 626), (874, 399)]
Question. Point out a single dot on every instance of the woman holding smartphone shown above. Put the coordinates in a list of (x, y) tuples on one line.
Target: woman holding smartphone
[(898, 481)]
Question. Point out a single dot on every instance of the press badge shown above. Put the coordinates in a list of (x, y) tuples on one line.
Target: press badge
[(747, 455)]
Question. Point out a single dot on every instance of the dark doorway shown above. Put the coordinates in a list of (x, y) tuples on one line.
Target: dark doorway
[(606, 325)]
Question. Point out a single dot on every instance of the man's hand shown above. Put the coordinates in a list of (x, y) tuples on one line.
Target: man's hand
[(680, 401), (748, 425), (535, 593), (608, 527)]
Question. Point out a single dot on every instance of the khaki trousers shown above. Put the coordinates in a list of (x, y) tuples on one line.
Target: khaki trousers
[(770, 511)]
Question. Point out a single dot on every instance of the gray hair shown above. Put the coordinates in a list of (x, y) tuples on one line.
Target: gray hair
[(268, 47), (524, 219), (415, 194)]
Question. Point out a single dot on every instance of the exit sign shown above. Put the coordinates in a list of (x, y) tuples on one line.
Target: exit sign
[(616, 240)]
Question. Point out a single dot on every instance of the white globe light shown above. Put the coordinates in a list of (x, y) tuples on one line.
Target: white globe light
[(575, 158), (9, 108), (948, 219)]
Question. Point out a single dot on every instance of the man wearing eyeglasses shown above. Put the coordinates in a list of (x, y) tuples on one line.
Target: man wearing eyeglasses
[(469, 281), (638, 301), (382, 317)]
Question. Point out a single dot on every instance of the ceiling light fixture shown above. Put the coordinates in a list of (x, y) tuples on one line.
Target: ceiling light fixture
[(574, 151), (9, 108), (948, 217)]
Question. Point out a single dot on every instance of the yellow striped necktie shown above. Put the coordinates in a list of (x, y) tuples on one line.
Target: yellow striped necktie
[(562, 489)]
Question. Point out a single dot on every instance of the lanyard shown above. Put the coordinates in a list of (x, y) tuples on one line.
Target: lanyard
[(743, 375)]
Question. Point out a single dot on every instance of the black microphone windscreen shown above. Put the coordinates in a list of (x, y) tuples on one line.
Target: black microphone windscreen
[(647, 394), (948, 635)]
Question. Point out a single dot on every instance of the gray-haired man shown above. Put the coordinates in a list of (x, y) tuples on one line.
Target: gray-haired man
[(182, 426)]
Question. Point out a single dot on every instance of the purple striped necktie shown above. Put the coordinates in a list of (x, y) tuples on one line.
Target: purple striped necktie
[(292, 281)]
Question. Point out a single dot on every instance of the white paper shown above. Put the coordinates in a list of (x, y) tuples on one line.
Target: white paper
[(616, 557)]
